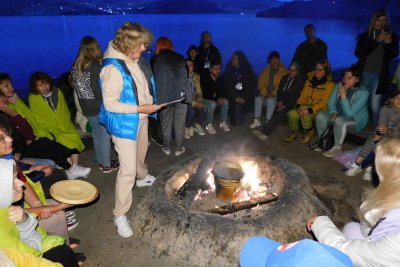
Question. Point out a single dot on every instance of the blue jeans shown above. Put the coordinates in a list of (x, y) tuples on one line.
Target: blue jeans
[(210, 109), (261, 101), (371, 81), (42, 161), (101, 141), (194, 113)]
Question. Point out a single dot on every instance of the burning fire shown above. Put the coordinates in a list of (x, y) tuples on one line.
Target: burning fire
[(251, 186)]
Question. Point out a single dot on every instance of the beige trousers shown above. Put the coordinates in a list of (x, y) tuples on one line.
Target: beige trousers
[(56, 224), (131, 156)]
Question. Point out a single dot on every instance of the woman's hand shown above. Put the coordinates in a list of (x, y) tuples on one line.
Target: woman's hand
[(198, 105), (382, 129), (310, 223), (342, 91), (44, 213), (16, 214), (148, 108)]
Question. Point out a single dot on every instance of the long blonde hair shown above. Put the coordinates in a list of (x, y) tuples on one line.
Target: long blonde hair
[(89, 50), (379, 13), (387, 195)]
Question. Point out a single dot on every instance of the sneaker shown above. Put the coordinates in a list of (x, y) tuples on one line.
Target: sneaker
[(368, 174), (157, 140), (291, 137), (147, 181), (77, 171), (317, 149), (224, 126), (210, 129), (198, 129), (187, 133), (307, 137), (114, 166), (72, 223), (166, 151), (335, 150), (260, 135), (256, 123), (353, 169), (191, 131), (123, 227), (178, 152), (70, 214)]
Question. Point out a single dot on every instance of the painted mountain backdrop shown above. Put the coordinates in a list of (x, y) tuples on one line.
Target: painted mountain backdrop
[(339, 9)]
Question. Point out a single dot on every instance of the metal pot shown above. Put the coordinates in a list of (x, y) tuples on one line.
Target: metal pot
[(227, 176)]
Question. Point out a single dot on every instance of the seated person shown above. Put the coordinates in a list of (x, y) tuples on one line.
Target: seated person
[(39, 139), (388, 126), (239, 82), (347, 109), (196, 110), (375, 241), (213, 93), (313, 99), (289, 90), (19, 228), (268, 84)]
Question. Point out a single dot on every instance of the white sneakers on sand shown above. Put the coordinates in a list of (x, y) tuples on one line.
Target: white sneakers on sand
[(178, 152), (77, 171), (224, 126), (256, 123), (353, 170), (210, 129), (147, 181), (335, 150), (123, 227), (198, 129)]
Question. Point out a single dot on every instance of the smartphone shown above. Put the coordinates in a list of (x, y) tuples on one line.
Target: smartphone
[(387, 30)]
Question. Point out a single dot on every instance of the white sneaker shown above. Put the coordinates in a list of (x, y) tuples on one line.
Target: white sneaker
[(224, 126), (198, 129), (187, 133), (166, 151), (210, 129), (178, 152), (77, 171), (191, 131), (354, 168), (260, 135), (368, 174), (335, 150), (123, 227), (256, 123), (147, 181)]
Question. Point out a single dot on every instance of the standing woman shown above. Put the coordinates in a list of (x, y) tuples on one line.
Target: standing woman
[(128, 95), (171, 80), (375, 48), (85, 78), (239, 82)]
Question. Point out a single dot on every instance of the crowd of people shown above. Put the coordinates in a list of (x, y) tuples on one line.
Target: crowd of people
[(123, 95)]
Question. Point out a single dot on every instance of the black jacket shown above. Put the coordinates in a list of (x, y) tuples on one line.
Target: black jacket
[(207, 54), (365, 45), (212, 90), (289, 91), (307, 54), (171, 77)]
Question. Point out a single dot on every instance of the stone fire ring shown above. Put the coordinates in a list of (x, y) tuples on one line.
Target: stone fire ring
[(205, 239)]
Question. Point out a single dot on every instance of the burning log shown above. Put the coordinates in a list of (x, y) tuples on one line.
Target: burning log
[(196, 181), (234, 207)]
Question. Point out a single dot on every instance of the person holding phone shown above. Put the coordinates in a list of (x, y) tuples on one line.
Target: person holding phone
[(374, 49)]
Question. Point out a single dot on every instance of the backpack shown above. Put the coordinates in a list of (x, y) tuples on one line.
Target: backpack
[(326, 140)]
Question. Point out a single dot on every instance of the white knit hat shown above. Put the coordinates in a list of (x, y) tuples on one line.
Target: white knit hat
[(6, 182)]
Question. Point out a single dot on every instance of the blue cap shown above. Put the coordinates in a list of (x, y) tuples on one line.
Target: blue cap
[(263, 252)]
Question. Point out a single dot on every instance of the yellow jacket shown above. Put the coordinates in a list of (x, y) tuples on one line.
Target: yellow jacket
[(263, 79), (198, 94), (316, 96), (13, 257)]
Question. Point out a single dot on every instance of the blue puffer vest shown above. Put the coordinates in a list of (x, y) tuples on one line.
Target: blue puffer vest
[(125, 125)]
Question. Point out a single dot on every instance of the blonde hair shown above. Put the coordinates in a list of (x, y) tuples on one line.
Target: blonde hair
[(387, 195), (379, 13), (131, 35), (89, 50)]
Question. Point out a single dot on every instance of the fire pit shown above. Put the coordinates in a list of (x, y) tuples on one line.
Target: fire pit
[(183, 214)]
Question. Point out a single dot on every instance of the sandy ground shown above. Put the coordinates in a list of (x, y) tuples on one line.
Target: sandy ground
[(99, 239)]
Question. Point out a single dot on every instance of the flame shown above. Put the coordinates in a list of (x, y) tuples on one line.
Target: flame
[(250, 179), (210, 180)]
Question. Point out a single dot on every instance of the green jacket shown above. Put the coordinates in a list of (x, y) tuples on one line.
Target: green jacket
[(58, 123)]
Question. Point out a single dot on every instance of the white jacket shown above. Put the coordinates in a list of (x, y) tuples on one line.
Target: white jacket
[(384, 251)]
